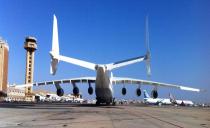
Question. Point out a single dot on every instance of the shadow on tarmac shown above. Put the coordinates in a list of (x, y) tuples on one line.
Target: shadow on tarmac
[(24, 105)]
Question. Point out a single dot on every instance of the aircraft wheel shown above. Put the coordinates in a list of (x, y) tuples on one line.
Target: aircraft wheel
[(97, 102), (107, 103), (113, 102)]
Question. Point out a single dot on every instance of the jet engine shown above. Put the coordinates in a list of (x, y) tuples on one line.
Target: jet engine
[(60, 92), (123, 90), (90, 90), (154, 93), (76, 90), (138, 92)]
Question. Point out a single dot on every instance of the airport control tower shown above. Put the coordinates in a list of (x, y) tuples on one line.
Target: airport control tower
[(30, 46)]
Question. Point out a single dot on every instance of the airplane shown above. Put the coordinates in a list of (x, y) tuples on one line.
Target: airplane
[(39, 98), (52, 97), (104, 79), (155, 101), (180, 102)]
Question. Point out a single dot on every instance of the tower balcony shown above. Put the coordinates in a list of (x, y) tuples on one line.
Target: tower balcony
[(30, 43)]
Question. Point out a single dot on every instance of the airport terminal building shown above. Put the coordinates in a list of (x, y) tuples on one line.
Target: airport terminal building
[(4, 50), (15, 94)]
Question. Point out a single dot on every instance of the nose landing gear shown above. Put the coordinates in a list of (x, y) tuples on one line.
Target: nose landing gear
[(100, 101)]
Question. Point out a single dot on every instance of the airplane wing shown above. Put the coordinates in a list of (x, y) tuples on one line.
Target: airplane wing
[(63, 81), (121, 80), (66, 81)]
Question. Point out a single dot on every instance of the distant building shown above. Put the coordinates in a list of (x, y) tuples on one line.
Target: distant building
[(47, 96), (15, 94), (4, 50)]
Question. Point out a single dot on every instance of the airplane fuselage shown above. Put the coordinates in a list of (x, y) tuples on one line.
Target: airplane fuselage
[(157, 101), (103, 85)]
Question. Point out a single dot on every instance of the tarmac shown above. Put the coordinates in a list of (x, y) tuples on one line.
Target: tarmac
[(48, 115)]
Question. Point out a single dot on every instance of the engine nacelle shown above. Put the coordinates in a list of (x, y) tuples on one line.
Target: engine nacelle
[(154, 93), (124, 91), (60, 92), (138, 92), (90, 90), (76, 90)]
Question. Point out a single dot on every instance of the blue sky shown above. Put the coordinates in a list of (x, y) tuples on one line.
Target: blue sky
[(107, 31)]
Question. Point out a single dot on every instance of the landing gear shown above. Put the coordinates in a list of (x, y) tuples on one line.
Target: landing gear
[(97, 103), (107, 103), (113, 102), (100, 101)]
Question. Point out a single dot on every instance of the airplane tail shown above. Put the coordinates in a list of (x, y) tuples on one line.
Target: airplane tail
[(145, 58), (172, 98), (148, 54), (146, 95), (56, 57), (54, 53)]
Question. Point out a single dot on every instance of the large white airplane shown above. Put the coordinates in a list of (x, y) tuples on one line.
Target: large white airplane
[(180, 102), (104, 79), (156, 101)]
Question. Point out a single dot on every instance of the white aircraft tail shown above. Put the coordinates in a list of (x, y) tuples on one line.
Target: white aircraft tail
[(56, 57), (148, 54), (54, 53), (146, 95), (172, 98), (55, 41), (145, 58)]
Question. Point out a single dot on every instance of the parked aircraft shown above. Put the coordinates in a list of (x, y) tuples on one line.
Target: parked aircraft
[(180, 102), (39, 98), (104, 79), (52, 97), (157, 101)]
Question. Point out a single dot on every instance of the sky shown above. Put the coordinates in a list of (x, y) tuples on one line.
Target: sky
[(107, 31)]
